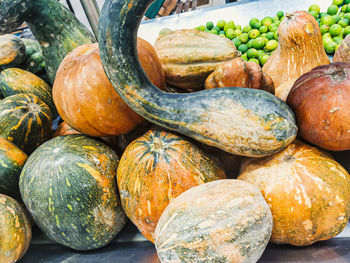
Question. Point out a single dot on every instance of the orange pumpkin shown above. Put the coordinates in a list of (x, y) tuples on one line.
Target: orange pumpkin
[(64, 129), (87, 101), (307, 190), (156, 168)]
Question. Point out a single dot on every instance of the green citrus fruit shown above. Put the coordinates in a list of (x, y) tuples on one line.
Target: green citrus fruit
[(280, 14), (335, 30), (257, 25), (328, 20), (347, 9), (244, 57), (217, 28), (263, 59), (210, 25), (221, 24), (214, 31), (250, 43), (254, 60), (263, 29), (343, 8), (332, 10), (252, 53), (238, 32), (239, 27), (314, 13), (243, 48), (266, 21), (253, 21), (230, 33), (315, 8), (338, 39), (347, 2), (237, 42), (254, 33), (346, 31), (275, 35), (329, 47), (344, 22), (324, 29), (271, 45), (337, 18), (338, 2), (244, 38), (270, 35), (260, 53), (201, 28), (258, 43), (229, 24), (246, 29)]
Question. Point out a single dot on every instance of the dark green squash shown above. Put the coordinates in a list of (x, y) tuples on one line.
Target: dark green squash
[(53, 25), (240, 121), (25, 120), (68, 185), (14, 81), (12, 160), (34, 61), (12, 51)]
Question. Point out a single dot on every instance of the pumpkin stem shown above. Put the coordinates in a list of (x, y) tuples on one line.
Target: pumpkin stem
[(339, 75)]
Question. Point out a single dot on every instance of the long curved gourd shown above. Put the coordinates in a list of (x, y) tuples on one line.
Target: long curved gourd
[(53, 25), (240, 121)]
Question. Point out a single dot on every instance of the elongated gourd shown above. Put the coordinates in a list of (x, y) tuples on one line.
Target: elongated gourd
[(53, 25), (240, 121)]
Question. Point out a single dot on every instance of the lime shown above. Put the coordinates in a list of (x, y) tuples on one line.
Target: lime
[(229, 24), (329, 47), (254, 33), (271, 45), (314, 8), (263, 59), (347, 16), (342, 14), (257, 25), (347, 2), (263, 29), (258, 43), (222, 32), (209, 25), (282, 18), (338, 2), (275, 35), (206, 30), (252, 53), (322, 14), (238, 32), (246, 29), (260, 53), (254, 60), (343, 8), (324, 29), (250, 43), (314, 13), (347, 9), (328, 20), (230, 33), (243, 48), (338, 39), (239, 27), (326, 40), (263, 35), (266, 21), (201, 28), (337, 18), (344, 22), (270, 35), (332, 10), (327, 35), (253, 21), (335, 30), (266, 40), (165, 31), (213, 31), (346, 31), (244, 38), (221, 24), (280, 14), (244, 57), (273, 28), (277, 23), (237, 42), (275, 18), (217, 28)]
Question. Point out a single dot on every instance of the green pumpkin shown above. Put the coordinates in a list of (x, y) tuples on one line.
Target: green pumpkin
[(68, 185), (240, 121), (34, 61), (25, 120), (14, 81), (12, 51), (53, 25), (12, 160)]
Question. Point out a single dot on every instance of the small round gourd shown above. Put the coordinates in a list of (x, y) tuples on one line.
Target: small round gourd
[(222, 221), (15, 230)]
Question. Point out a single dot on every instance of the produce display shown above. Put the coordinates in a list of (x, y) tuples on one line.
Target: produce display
[(211, 123)]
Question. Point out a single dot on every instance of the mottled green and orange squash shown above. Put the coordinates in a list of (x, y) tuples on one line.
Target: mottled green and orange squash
[(15, 230), (64, 129), (226, 221), (307, 190), (53, 25), (240, 121), (12, 160), (25, 120), (34, 61), (68, 185), (14, 81), (156, 168), (12, 51)]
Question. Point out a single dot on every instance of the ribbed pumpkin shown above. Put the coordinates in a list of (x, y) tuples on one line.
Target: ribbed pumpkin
[(25, 121), (239, 73), (68, 185), (300, 49), (343, 52), (188, 56), (12, 51), (64, 129), (156, 168), (12, 160), (320, 101), (86, 100), (308, 193), (14, 81), (15, 230), (221, 221)]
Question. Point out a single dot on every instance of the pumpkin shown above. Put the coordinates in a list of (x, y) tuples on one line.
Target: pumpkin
[(12, 51), (308, 193), (156, 168), (12, 160), (15, 230), (34, 61), (25, 121), (53, 25), (188, 56), (64, 129), (239, 73), (68, 185), (240, 121), (319, 99), (343, 52), (300, 49), (220, 221), (14, 81)]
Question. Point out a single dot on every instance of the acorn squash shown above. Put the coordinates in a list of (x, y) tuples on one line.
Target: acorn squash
[(240, 121)]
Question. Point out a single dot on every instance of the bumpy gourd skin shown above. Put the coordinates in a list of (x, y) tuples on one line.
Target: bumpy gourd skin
[(240, 121), (53, 25)]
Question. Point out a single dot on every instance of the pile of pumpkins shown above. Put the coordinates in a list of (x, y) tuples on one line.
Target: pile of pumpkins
[(161, 141)]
